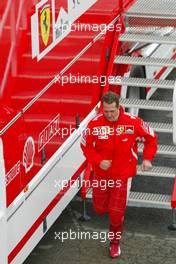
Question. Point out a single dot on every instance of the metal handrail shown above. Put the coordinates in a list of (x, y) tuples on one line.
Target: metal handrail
[(4, 18), (5, 15)]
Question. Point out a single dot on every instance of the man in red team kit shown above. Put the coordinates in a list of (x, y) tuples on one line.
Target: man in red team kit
[(110, 145)]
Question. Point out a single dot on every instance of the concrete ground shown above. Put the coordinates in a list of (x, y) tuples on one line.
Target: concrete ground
[(146, 239)]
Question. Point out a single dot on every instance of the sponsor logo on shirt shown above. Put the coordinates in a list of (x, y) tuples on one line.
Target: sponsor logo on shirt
[(128, 130)]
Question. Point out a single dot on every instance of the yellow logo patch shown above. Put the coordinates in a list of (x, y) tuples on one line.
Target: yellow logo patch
[(121, 129), (45, 21)]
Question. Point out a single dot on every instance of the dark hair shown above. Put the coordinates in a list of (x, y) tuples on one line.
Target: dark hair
[(110, 97)]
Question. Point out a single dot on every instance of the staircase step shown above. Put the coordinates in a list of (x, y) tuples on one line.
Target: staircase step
[(147, 20), (148, 38), (147, 104), (151, 12), (161, 127), (152, 8), (140, 199), (168, 150), (165, 172), (151, 200), (142, 30), (145, 61), (141, 82), (145, 30)]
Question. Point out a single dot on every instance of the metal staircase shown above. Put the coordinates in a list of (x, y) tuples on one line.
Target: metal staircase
[(165, 84), (148, 38), (151, 13), (158, 13)]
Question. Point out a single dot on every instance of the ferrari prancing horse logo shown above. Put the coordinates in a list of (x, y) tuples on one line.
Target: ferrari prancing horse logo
[(45, 20)]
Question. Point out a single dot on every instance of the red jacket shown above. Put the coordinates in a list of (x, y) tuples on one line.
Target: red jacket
[(117, 141)]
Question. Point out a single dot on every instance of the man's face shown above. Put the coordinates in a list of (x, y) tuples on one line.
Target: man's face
[(111, 112)]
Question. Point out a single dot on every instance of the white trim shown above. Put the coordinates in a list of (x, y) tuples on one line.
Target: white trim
[(129, 187), (53, 18), (3, 214), (41, 3), (97, 116), (35, 39), (134, 154)]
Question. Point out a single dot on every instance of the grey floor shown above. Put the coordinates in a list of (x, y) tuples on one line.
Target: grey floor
[(146, 239)]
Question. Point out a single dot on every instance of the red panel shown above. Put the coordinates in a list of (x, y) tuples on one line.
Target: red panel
[(173, 201)]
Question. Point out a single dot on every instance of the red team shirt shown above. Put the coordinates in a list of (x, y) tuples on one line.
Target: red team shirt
[(117, 141)]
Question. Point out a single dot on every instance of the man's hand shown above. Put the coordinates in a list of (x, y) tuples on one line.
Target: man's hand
[(105, 164), (146, 165)]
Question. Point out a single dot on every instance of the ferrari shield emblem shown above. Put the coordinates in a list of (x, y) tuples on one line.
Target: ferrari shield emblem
[(121, 129), (45, 21)]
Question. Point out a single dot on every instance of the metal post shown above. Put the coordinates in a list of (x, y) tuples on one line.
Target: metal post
[(43, 156), (77, 120), (173, 225), (3, 213), (84, 216)]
